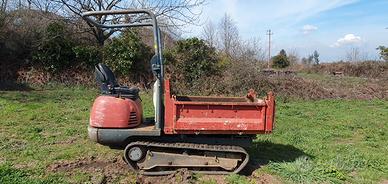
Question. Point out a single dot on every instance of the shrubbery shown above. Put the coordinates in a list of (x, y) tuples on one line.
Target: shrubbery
[(383, 52), (54, 46), (280, 60), (128, 55), (192, 59), (88, 55), (370, 69), (56, 49)]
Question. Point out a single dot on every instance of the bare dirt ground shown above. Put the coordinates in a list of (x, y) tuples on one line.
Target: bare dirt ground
[(117, 171), (106, 171), (186, 177)]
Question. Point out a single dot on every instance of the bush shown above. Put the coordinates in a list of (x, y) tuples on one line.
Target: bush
[(88, 55), (281, 60), (192, 59), (383, 52), (55, 52), (370, 69), (127, 54)]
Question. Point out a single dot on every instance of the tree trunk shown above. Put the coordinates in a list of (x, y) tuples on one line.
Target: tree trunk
[(100, 37)]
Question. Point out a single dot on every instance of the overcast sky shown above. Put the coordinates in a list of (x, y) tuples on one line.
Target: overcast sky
[(331, 27)]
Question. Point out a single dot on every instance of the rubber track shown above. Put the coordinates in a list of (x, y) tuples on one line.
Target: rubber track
[(192, 146)]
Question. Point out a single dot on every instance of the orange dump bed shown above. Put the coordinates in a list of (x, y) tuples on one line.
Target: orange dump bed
[(217, 115)]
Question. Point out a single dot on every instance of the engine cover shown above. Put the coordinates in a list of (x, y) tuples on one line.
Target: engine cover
[(114, 112)]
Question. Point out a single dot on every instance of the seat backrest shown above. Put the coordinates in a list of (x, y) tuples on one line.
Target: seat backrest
[(104, 75), (155, 65)]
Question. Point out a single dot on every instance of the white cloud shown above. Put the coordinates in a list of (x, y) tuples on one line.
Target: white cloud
[(309, 28), (348, 39), (253, 16)]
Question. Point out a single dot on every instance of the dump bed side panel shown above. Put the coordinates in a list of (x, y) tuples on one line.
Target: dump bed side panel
[(270, 112), (213, 116)]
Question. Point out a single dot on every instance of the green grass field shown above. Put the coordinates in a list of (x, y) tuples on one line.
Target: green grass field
[(326, 141)]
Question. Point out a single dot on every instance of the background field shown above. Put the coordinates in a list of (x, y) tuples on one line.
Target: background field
[(332, 102), (43, 139)]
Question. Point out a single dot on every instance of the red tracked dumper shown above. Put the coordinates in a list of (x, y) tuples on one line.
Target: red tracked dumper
[(203, 134)]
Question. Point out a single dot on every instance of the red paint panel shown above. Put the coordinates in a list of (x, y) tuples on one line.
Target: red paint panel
[(219, 111), (169, 109), (205, 124), (270, 112), (113, 112), (217, 115)]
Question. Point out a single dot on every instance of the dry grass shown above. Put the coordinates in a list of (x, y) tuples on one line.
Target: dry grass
[(368, 69)]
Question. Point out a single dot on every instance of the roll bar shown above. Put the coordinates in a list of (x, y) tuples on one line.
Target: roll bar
[(157, 60)]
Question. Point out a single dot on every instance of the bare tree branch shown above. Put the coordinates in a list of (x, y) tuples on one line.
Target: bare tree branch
[(210, 34), (173, 13), (229, 35)]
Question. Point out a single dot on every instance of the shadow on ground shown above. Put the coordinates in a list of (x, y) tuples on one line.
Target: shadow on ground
[(264, 152), (31, 96), (23, 93), (14, 86)]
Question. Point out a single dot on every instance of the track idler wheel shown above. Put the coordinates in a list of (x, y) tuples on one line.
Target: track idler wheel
[(133, 154)]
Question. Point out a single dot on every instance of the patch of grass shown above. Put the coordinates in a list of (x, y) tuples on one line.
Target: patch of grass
[(11, 175), (334, 141), (41, 127), (237, 179), (325, 141)]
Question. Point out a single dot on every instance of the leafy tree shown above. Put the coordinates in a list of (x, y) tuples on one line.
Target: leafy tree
[(127, 54), (383, 52), (316, 57), (191, 59), (280, 60), (55, 52), (87, 54)]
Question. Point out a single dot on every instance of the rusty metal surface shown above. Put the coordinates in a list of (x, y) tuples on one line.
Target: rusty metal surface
[(229, 153), (209, 99), (236, 124), (155, 159), (218, 115), (112, 137), (270, 113), (249, 100), (224, 103)]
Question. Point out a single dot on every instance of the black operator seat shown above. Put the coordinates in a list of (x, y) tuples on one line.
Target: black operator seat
[(108, 83)]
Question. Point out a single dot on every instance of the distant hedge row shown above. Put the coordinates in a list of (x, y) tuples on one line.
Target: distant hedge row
[(369, 69)]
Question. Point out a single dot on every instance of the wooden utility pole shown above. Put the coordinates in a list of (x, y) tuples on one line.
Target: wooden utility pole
[(269, 33)]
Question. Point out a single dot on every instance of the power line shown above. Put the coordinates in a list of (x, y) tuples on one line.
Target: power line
[(269, 33)]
